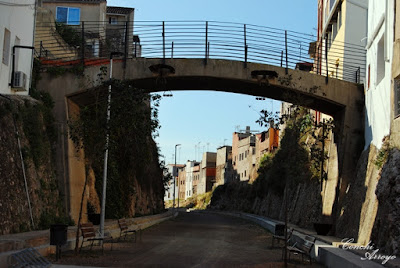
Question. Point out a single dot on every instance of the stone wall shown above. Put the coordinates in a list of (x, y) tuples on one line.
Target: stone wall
[(36, 147)]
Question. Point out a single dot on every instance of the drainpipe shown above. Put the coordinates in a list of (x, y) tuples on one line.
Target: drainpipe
[(22, 163), (386, 49)]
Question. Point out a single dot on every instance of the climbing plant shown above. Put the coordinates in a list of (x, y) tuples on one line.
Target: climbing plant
[(131, 127), (301, 154)]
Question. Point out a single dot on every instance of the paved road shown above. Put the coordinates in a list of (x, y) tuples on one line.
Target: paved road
[(193, 240)]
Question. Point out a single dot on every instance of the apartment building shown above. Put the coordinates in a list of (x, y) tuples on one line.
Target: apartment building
[(266, 142), (243, 154), (17, 20), (380, 100), (169, 191), (224, 170), (207, 172), (395, 93), (196, 179), (190, 166), (182, 183), (105, 28), (341, 39)]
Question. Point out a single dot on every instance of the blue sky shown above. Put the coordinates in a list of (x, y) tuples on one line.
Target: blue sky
[(209, 118)]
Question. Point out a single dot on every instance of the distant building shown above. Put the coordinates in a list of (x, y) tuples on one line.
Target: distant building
[(190, 166), (224, 169), (196, 179), (182, 183), (243, 150), (17, 20), (207, 172), (169, 192)]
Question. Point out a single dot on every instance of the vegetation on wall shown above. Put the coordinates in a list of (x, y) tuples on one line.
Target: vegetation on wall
[(130, 129), (301, 155), (70, 35)]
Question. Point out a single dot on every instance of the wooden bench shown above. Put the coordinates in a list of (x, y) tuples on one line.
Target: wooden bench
[(280, 238), (89, 235), (303, 249), (124, 229)]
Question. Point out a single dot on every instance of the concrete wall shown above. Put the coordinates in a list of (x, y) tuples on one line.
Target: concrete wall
[(378, 93), (18, 19)]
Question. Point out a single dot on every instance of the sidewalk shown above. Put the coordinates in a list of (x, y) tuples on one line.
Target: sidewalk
[(326, 250), (40, 240)]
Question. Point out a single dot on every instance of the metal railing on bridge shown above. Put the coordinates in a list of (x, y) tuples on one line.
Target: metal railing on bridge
[(90, 42)]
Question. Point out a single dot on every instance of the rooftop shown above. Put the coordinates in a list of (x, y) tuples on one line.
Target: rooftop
[(119, 10)]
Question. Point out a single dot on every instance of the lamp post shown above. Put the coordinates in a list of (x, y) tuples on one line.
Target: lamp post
[(173, 203), (103, 197)]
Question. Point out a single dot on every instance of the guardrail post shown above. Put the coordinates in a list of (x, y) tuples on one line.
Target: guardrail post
[(206, 56), (126, 43), (163, 37), (286, 48), (172, 50), (83, 44), (326, 59), (282, 58)]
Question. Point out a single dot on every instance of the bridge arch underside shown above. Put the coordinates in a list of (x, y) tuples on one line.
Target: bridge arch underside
[(193, 83), (340, 99)]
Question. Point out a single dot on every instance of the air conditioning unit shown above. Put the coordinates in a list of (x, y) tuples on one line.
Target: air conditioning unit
[(19, 81)]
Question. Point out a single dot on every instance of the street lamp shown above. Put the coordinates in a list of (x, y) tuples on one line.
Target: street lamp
[(173, 203), (103, 199)]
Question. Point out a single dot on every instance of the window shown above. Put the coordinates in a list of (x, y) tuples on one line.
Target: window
[(334, 31), (68, 15), (397, 96), (6, 47), (339, 20), (112, 20), (380, 61)]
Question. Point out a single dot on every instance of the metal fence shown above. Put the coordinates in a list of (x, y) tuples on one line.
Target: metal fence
[(58, 44)]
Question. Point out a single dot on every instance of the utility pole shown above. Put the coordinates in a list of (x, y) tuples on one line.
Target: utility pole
[(103, 197)]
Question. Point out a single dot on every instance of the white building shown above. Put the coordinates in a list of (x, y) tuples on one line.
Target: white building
[(189, 178), (379, 71), (17, 20), (169, 192)]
